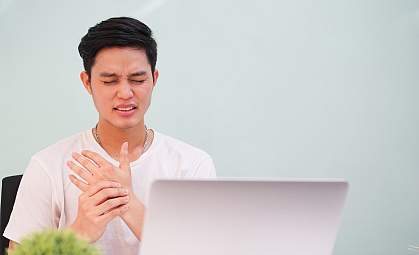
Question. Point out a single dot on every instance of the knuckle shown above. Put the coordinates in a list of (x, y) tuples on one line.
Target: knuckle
[(123, 200), (110, 192), (110, 184), (116, 192), (110, 203)]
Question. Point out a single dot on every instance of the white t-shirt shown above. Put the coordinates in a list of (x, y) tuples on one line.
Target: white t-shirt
[(47, 199)]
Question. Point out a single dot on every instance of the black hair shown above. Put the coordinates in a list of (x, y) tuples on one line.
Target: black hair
[(117, 32)]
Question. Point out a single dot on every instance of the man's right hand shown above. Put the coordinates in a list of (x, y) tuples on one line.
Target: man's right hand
[(98, 205)]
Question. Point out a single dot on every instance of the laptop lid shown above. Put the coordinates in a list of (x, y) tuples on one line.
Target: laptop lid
[(243, 217)]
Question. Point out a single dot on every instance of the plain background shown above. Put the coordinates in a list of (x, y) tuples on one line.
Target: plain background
[(269, 88)]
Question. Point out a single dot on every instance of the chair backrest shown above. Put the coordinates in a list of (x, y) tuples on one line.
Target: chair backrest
[(9, 189)]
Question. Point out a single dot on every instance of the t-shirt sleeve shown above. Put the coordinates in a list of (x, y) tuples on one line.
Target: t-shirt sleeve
[(204, 169), (33, 208)]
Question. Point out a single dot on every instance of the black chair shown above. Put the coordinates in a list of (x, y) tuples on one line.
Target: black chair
[(9, 188)]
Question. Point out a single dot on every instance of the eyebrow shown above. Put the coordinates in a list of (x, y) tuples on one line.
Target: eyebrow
[(139, 73), (106, 74)]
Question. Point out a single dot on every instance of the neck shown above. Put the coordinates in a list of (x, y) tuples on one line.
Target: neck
[(112, 138)]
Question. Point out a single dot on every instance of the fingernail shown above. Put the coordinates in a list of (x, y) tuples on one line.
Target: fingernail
[(124, 191), (117, 184)]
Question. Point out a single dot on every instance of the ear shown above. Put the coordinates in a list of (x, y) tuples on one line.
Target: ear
[(84, 77), (156, 76)]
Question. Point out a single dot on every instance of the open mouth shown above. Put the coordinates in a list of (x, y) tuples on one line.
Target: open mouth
[(125, 109)]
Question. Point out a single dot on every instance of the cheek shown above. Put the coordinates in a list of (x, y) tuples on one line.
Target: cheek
[(145, 96), (101, 100)]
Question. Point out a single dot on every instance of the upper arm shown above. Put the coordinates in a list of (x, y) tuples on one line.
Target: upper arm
[(33, 207)]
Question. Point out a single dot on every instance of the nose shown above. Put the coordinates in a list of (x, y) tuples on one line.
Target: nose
[(124, 90)]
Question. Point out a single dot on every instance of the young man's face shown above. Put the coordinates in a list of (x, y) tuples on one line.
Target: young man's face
[(121, 85)]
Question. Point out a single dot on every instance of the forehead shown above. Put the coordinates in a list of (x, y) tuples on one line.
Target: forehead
[(121, 60)]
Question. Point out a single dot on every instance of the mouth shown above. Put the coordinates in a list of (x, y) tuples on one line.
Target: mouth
[(125, 108)]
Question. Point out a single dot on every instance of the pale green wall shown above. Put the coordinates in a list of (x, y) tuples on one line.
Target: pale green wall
[(270, 88)]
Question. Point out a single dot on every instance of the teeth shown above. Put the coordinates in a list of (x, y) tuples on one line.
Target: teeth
[(126, 109)]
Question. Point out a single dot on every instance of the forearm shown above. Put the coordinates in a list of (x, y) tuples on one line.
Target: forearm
[(12, 246), (134, 217)]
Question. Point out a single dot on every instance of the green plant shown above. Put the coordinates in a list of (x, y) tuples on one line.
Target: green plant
[(54, 242)]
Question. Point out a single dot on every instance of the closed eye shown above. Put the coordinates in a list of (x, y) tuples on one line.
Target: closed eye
[(138, 81), (109, 82)]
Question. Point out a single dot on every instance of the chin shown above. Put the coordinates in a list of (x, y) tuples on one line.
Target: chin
[(125, 124)]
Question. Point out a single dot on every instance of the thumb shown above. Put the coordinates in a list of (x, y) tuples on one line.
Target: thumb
[(123, 157)]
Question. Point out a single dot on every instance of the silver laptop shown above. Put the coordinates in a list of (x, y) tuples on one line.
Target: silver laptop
[(243, 217)]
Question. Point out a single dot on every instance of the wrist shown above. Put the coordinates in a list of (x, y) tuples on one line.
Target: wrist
[(75, 227), (133, 200), (134, 216), (134, 204)]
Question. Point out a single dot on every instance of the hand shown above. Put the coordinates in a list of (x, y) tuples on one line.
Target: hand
[(94, 168), (99, 204)]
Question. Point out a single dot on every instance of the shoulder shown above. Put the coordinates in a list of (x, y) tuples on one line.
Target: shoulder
[(54, 154), (177, 147), (187, 160)]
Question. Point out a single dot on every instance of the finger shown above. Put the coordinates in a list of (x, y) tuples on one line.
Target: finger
[(85, 162), (110, 204), (107, 193), (93, 189), (108, 216), (95, 157), (123, 157), (79, 184), (83, 173)]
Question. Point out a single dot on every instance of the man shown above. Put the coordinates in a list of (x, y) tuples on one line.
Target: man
[(96, 182)]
